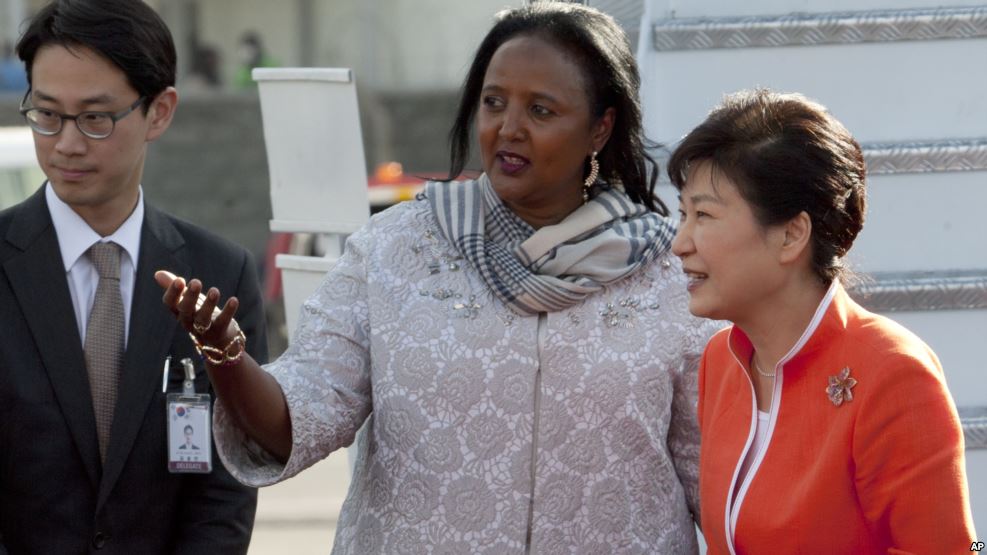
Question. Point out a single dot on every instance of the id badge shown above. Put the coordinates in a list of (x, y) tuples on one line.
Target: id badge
[(189, 428)]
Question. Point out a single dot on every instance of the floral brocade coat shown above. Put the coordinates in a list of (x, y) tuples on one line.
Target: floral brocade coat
[(487, 431)]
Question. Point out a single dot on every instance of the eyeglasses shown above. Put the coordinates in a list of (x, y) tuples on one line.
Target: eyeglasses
[(95, 125)]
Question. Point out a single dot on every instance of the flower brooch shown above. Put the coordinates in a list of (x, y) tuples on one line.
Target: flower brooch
[(840, 387)]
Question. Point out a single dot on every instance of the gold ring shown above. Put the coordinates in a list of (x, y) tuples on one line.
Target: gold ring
[(199, 328)]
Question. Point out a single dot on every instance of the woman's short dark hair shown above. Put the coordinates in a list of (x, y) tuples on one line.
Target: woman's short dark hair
[(786, 154), (600, 48), (128, 33)]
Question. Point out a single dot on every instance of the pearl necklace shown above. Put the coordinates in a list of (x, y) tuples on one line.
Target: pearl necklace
[(757, 368)]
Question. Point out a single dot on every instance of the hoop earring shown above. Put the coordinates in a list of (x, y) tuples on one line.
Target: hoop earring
[(594, 171)]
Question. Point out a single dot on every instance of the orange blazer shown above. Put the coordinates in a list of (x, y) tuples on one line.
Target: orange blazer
[(881, 473)]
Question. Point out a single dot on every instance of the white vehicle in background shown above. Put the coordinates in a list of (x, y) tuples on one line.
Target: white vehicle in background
[(908, 79), (19, 172)]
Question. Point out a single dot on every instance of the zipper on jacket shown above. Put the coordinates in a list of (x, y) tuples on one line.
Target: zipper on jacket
[(542, 318)]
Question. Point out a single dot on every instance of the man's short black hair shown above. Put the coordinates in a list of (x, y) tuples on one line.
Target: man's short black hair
[(128, 33)]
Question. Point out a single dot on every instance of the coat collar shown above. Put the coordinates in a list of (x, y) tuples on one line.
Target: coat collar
[(31, 219), (828, 321)]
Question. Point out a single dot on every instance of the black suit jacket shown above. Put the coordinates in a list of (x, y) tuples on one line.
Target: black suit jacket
[(55, 496)]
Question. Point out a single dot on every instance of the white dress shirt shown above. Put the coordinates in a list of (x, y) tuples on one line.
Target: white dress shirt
[(74, 239)]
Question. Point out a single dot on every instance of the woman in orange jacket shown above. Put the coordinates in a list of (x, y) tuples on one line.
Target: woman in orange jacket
[(826, 428)]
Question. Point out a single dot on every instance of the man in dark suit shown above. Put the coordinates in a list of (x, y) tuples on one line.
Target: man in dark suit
[(83, 444)]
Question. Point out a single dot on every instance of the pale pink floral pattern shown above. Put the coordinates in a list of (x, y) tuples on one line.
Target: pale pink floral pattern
[(610, 502), (458, 390), (584, 452), (414, 369), (371, 540), (447, 402), (415, 499), (454, 548), (511, 389), (380, 487), (470, 504), (406, 541), (440, 451)]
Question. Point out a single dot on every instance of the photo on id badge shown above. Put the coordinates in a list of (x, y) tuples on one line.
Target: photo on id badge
[(189, 436)]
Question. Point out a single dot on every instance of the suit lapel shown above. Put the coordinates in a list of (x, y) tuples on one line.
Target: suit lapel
[(152, 329), (38, 280)]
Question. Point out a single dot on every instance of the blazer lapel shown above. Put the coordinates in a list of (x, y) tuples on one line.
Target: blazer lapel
[(39, 282), (152, 329)]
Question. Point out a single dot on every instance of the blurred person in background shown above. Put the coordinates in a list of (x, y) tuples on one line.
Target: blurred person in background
[(84, 458), (826, 428), (251, 54), (11, 70), (203, 74), (517, 347)]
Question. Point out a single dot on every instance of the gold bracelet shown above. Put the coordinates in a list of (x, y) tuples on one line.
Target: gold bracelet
[(228, 355)]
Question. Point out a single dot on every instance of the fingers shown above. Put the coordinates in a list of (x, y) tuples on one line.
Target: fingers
[(222, 321), (173, 293), (188, 303), (198, 312), (202, 321), (164, 278)]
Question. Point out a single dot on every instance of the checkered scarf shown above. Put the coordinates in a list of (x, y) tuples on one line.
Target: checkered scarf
[(557, 266)]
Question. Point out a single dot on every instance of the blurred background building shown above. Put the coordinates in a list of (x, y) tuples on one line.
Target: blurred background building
[(408, 57)]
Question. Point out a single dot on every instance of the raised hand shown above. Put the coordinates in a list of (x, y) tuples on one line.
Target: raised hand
[(214, 331)]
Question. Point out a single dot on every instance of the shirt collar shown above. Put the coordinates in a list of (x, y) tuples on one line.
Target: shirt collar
[(75, 236)]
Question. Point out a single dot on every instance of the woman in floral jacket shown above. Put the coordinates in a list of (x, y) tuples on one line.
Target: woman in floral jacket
[(517, 347)]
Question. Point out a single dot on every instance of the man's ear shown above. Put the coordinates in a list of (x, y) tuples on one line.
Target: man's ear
[(797, 238), (161, 112)]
